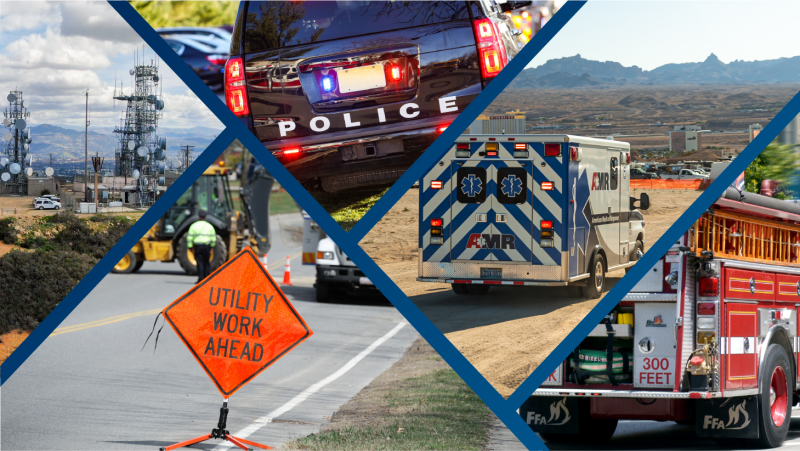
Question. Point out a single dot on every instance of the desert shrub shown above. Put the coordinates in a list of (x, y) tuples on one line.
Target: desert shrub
[(33, 283), (8, 234), (32, 242), (78, 236), (100, 217)]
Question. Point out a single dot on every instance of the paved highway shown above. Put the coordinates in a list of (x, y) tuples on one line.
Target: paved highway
[(639, 435), (91, 387)]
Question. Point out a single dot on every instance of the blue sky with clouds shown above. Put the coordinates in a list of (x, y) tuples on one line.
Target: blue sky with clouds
[(53, 51), (649, 34)]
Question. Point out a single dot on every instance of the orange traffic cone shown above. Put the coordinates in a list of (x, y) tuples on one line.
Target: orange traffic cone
[(287, 272), (264, 262)]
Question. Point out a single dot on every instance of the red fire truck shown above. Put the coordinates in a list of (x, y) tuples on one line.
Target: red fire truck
[(708, 337)]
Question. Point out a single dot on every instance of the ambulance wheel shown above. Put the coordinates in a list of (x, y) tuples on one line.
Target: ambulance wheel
[(635, 255), (774, 402), (596, 283), (323, 292), (477, 289), (459, 288), (127, 265)]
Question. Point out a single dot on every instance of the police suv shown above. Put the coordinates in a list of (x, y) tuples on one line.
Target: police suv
[(349, 94), (544, 210)]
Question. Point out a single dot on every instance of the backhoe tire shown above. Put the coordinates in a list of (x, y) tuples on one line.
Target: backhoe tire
[(127, 265)]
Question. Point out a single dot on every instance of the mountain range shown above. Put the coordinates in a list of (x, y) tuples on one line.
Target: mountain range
[(66, 143), (576, 71)]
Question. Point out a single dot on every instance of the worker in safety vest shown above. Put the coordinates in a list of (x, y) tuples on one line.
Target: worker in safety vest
[(202, 237)]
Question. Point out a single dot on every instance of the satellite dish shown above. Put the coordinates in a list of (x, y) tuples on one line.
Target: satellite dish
[(49, 171), (8, 136), (21, 124), (143, 181), (28, 159), (135, 174), (27, 147), (6, 122), (160, 154), (3, 161), (160, 105), (13, 98), (130, 71), (161, 167), (162, 181), (155, 78), (142, 151), (131, 145), (5, 177), (29, 171), (163, 142), (15, 168)]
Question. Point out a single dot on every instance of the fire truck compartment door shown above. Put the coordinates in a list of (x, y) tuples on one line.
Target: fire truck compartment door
[(654, 345)]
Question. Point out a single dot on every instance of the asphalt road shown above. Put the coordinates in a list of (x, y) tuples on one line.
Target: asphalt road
[(639, 435), (91, 387)]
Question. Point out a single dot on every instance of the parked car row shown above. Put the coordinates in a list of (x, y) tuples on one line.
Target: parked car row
[(47, 202), (205, 50)]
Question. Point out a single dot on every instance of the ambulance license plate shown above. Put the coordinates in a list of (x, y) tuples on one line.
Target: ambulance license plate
[(491, 273), (361, 78)]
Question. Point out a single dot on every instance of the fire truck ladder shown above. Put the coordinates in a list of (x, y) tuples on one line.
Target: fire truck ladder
[(740, 237)]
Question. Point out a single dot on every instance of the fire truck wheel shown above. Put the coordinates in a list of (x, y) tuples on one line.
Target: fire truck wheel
[(774, 404), (596, 283), (477, 289), (458, 288)]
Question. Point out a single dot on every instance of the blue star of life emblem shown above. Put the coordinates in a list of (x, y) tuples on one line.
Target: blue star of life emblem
[(471, 185), (512, 186)]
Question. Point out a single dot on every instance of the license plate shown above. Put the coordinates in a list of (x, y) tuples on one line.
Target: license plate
[(364, 281), (491, 273), (361, 78)]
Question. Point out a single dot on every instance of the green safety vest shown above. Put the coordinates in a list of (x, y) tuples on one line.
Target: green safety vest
[(201, 232)]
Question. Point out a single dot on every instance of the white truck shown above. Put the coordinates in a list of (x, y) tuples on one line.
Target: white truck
[(685, 174)]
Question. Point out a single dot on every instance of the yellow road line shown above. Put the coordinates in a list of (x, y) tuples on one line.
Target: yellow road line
[(118, 318), (103, 322)]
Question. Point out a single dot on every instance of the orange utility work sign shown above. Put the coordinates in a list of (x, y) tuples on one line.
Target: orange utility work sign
[(237, 322)]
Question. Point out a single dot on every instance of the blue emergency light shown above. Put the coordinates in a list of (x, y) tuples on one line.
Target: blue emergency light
[(327, 84)]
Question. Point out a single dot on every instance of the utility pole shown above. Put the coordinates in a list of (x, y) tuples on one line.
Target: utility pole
[(86, 154), (186, 149), (51, 159), (97, 162)]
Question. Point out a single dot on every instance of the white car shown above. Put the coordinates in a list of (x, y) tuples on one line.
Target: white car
[(46, 204)]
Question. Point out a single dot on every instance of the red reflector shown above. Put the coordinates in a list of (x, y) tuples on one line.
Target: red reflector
[(706, 308), (546, 225), (436, 222), (709, 286), (491, 153), (462, 146), (291, 151), (436, 184), (520, 146), (547, 186), (552, 150), (628, 157)]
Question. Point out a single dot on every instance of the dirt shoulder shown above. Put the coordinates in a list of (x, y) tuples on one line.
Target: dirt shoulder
[(418, 403), (506, 333)]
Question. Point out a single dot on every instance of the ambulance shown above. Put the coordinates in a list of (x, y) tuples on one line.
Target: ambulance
[(541, 210), (707, 338)]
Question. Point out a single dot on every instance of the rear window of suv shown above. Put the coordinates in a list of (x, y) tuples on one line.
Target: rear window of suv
[(277, 24)]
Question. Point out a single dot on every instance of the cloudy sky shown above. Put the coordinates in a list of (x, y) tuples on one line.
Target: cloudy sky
[(53, 51), (649, 34)]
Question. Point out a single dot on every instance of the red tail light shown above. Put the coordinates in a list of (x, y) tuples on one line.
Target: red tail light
[(546, 225), (552, 150), (547, 186), (462, 146), (706, 308), (218, 60), (441, 129), (709, 286), (628, 157), (235, 90), (436, 184), (493, 56), (436, 222), (291, 151), (394, 73)]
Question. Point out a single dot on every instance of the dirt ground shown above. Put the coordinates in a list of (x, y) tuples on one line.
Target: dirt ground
[(10, 341), (506, 333)]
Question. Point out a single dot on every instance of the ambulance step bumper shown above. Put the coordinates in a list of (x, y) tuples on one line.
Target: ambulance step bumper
[(495, 282), (588, 392)]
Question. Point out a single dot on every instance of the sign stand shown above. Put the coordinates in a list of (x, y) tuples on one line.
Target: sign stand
[(218, 432)]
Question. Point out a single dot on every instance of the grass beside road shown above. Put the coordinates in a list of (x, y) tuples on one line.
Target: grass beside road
[(348, 208), (418, 404)]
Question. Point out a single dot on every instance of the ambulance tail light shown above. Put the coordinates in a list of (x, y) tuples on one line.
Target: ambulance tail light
[(708, 286), (436, 184), (491, 149), (628, 157), (520, 150), (546, 233), (547, 186), (437, 237), (575, 154), (235, 89), (493, 56), (552, 150), (520, 146), (462, 150)]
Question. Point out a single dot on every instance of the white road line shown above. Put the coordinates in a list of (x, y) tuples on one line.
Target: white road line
[(263, 421)]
